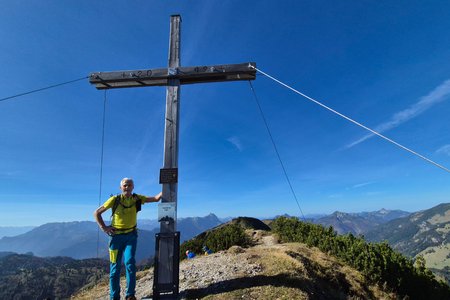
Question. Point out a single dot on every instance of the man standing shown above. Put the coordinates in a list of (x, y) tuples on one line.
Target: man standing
[(123, 235)]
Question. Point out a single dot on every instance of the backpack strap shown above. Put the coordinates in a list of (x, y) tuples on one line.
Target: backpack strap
[(137, 203), (116, 204)]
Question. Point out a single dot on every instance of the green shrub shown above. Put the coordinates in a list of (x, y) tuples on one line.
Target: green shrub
[(218, 239), (377, 261)]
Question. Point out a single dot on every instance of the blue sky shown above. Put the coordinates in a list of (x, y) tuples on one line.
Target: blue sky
[(383, 63)]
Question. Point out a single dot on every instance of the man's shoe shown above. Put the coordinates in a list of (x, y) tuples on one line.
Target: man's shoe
[(132, 297)]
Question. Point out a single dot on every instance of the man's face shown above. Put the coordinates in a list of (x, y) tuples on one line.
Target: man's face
[(127, 187)]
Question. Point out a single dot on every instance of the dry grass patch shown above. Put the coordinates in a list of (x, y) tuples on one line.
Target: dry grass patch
[(262, 292), (97, 292)]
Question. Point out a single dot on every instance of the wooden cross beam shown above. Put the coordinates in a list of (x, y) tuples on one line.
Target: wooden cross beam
[(160, 77), (166, 271)]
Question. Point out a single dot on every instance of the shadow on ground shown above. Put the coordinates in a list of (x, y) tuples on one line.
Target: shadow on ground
[(320, 289)]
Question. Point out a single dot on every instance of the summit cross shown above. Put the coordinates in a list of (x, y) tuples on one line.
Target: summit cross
[(166, 271)]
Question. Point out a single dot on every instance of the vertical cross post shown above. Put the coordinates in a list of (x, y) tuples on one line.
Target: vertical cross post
[(171, 130), (166, 277)]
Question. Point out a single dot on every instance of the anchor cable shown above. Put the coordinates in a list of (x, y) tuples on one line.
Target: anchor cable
[(44, 88), (275, 147), (101, 167)]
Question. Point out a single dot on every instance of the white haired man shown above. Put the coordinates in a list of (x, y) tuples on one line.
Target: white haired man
[(123, 235)]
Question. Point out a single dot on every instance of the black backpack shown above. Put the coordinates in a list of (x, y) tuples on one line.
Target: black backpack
[(137, 203)]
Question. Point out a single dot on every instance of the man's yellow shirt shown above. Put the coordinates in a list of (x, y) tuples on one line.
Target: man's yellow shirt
[(125, 216)]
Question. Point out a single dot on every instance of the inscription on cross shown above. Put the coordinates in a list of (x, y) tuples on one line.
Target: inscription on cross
[(160, 77), (166, 271)]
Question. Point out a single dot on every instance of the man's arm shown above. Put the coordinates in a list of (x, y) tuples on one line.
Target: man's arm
[(155, 198), (99, 219)]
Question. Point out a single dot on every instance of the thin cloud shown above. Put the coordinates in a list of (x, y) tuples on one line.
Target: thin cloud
[(235, 141), (335, 196), (439, 94), (444, 150), (356, 186)]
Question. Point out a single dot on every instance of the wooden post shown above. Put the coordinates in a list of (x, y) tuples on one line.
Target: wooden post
[(166, 279)]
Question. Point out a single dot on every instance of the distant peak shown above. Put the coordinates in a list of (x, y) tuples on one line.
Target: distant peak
[(339, 213)]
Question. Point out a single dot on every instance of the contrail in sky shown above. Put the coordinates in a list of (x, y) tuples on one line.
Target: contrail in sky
[(444, 150), (436, 96), (235, 141)]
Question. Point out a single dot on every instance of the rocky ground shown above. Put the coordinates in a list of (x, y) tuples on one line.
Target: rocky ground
[(266, 271), (202, 273)]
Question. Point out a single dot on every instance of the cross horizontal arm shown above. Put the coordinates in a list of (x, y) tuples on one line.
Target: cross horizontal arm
[(160, 77)]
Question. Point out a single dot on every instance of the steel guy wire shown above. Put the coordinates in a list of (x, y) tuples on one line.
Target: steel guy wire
[(355, 122), (101, 166), (44, 88), (275, 147)]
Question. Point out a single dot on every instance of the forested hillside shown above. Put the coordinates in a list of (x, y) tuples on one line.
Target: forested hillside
[(424, 233), (30, 277), (416, 232)]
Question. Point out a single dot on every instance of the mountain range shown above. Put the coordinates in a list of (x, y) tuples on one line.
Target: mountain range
[(82, 240), (359, 223), (424, 233), (14, 230)]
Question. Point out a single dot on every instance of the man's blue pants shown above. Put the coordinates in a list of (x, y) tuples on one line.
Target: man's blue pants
[(122, 245)]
